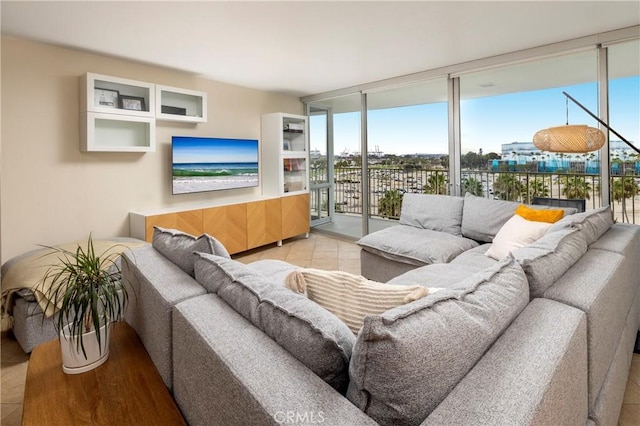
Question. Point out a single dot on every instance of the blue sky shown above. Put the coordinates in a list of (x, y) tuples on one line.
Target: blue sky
[(214, 150), (488, 122)]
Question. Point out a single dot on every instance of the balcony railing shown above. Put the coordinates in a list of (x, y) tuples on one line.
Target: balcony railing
[(388, 184)]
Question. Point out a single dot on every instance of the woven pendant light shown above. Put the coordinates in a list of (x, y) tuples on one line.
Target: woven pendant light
[(576, 138), (569, 138)]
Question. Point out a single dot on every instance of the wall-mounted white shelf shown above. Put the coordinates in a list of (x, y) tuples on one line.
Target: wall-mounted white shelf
[(117, 114), (114, 95), (175, 104), (117, 133)]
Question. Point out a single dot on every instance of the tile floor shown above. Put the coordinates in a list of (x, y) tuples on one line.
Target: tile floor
[(318, 251)]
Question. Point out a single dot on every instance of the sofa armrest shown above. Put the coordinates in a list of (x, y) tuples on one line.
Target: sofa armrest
[(228, 372), (155, 286), (602, 284), (535, 374)]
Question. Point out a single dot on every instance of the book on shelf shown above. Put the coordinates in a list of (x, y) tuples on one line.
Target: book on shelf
[(293, 164)]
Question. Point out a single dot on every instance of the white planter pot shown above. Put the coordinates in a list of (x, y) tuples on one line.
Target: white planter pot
[(73, 360)]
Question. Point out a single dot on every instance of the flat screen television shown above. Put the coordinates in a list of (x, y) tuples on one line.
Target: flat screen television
[(212, 164)]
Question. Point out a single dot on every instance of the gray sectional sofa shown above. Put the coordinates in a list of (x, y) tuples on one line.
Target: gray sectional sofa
[(543, 336)]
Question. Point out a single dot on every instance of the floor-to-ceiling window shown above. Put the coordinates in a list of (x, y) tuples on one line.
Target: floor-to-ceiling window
[(493, 107), (500, 111), (407, 145), (407, 151), (624, 110)]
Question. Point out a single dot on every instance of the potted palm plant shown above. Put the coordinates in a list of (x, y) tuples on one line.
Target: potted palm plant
[(85, 289)]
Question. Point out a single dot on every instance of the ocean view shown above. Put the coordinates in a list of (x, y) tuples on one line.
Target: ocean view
[(199, 177)]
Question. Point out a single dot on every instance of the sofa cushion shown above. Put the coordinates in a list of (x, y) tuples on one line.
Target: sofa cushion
[(482, 218), (309, 332), (276, 270), (444, 275), (593, 223), (351, 297), (435, 212), (547, 259), (475, 258), (534, 374), (178, 247), (621, 238), (215, 246), (409, 358), (517, 232), (415, 246)]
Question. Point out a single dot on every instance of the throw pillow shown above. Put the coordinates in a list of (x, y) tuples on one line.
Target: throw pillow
[(310, 333), (407, 360), (179, 247), (593, 223), (547, 259), (351, 297), (516, 233), (537, 215), (215, 246), (482, 218), (436, 212)]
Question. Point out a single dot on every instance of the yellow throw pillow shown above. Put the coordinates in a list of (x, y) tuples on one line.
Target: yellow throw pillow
[(351, 297), (536, 215)]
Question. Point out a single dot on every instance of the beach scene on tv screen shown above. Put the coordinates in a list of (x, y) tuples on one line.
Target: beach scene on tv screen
[(211, 164)]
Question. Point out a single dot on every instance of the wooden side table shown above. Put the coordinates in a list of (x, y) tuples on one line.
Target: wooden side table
[(126, 390)]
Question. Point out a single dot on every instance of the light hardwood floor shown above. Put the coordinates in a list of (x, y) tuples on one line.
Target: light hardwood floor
[(318, 251)]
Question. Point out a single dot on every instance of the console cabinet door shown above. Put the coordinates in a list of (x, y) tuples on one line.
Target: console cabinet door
[(295, 215), (229, 225), (239, 227), (189, 221), (264, 224)]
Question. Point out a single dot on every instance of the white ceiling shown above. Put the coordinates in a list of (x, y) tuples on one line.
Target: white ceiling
[(303, 47)]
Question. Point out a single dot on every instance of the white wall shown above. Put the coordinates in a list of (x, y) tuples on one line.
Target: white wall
[(53, 193)]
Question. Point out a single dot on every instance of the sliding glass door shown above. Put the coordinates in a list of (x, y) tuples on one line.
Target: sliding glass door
[(321, 186), (336, 179)]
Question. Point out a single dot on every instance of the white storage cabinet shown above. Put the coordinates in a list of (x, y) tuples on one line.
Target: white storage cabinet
[(285, 154)]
